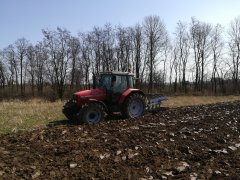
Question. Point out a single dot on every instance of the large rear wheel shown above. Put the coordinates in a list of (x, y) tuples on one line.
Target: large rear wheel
[(134, 106), (91, 114)]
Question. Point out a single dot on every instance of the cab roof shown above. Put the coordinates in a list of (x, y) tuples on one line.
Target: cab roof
[(118, 73)]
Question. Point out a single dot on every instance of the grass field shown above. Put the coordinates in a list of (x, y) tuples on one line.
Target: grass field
[(18, 115), (177, 101)]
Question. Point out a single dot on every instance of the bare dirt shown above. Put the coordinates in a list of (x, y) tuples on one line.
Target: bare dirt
[(198, 142)]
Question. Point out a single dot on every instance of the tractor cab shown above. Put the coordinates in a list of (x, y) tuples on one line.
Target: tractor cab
[(115, 83)]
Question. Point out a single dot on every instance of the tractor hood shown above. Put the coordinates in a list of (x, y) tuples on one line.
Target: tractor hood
[(86, 95), (91, 93)]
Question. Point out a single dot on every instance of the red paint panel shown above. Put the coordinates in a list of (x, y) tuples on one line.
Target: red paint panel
[(126, 93), (84, 96)]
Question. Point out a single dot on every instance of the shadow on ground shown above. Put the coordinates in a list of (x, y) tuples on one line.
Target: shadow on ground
[(66, 122), (63, 122), (112, 117)]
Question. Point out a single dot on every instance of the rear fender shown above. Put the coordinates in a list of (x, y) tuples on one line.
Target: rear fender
[(127, 93)]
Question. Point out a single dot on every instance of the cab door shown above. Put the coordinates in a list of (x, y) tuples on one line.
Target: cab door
[(120, 84)]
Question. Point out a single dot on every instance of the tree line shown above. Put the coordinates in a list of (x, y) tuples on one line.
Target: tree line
[(197, 58)]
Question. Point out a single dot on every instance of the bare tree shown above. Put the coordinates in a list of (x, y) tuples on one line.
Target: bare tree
[(216, 48), (200, 37), (74, 46), (175, 65), (123, 48), (234, 46), (171, 64), (86, 57), (31, 65), (10, 55), (2, 71), (195, 38), (166, 53), (108, 48), (183, 43), (41, 55), (21, 45), (59, 55), (205, 49), (155, 37), (97, 40), (137, 35)]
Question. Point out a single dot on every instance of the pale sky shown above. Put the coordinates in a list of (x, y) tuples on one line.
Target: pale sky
[(26, 18)]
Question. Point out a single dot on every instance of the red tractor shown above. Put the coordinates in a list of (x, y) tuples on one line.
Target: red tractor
[(114, 93)]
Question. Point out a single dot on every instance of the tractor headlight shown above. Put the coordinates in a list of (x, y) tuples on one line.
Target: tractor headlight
[(71, 102), (74, 99)]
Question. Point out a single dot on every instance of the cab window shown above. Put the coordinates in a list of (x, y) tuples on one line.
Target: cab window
[(105, 82), (120, 83)]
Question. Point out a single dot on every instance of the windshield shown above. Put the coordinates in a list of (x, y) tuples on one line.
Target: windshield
[(105, 82)]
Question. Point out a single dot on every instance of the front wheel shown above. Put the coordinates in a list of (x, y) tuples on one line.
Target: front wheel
[(70, 111), (134, 106), (91, 114)]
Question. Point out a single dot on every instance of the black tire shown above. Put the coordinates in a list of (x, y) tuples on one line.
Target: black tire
[(70, 116), (70, 111), (92, 113), (134, 106)]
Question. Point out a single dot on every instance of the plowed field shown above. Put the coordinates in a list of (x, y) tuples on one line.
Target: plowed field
[(195, 142)]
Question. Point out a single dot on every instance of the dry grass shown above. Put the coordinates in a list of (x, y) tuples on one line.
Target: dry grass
[(18, 115), (178, 101)]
